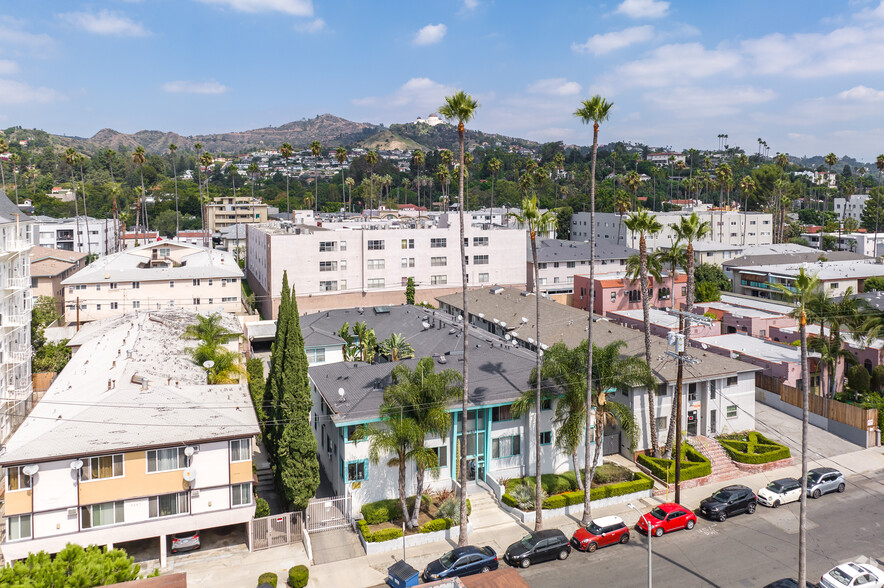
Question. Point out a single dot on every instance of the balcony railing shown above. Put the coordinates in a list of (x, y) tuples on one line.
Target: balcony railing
[(16, 284)]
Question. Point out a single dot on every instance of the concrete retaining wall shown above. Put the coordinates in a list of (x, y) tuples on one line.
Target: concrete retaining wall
[(755, 468), (854, 435), (451, 534), (575, 510)]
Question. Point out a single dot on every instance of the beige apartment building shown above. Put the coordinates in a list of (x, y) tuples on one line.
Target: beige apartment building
[(227, 211), (49, 267), (346, 265), (165, 274)]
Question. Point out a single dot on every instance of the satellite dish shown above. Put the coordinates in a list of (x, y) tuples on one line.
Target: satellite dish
[(341, 393), (503, 324), (524, 319), (530, 340), (515, 334), (425, 325), (496, 321), (76, 464), (460, 317), (481, 315), (507, 337), (190, 474), (208, 364), (30, 470), (188, 451)]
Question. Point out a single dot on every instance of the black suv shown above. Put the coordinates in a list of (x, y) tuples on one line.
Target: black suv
[(728, 501), (536, 547)]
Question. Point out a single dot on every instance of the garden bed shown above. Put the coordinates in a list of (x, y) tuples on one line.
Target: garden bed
[(693, 465), (753, 448), (382, 520)]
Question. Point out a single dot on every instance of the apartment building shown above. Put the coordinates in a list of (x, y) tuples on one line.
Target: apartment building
[(617, 292), (728, 227), (776, 360), (558, 261), (138, 238), (129, 443), (49, 267), (661, 323), (868, 244), (69, 234), (16, 238), (165, 274), (502, 216), (851, 207), (367, 263), (836, 277), (664, 158), (228, 210)]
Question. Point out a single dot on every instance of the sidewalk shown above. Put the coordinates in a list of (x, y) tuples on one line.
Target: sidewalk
[(370, 571)]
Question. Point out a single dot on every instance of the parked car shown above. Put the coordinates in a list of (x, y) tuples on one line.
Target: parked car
[(780, 492), (536, 547), (789, 583), (600, 533), (185, 541), (824, 480), (728, 501), (665, 518), (853, 574), (462, 561)]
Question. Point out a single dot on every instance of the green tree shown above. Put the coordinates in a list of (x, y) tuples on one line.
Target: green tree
[(874, 283), (396, 347), (47, 357), (255, 371), (708, 272), (858, 379), (366, 341), (286, 151), (372, 159), (707, 292), (409, 291), (172, 149), (316, 152), (72, 566), (494, 166)]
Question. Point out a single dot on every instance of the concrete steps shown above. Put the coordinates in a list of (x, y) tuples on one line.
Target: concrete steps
[(723, 467), (485, 511)]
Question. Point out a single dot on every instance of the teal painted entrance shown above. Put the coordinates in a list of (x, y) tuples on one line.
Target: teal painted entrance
[(476, 440)]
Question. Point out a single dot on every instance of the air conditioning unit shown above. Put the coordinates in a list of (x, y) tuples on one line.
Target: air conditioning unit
[(72, 513)]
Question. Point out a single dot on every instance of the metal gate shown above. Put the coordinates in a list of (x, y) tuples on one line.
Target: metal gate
[(325, 514), (276, 530)]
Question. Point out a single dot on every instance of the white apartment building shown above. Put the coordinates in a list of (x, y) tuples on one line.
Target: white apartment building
[(501, 217), (662, 158), (68, 234), (868, 244), (559, 260), (368, 263), (16, 234), (129, 443), (165, 274), (852, 207), (728, 227)]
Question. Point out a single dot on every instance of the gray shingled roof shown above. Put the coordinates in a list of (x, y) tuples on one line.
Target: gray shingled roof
[(560, 250), (9, 210)]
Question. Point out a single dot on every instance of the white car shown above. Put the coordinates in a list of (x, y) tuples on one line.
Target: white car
[(780, 492), (853, 574)]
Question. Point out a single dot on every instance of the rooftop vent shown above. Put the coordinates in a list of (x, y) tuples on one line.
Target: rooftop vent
[(497, 290)]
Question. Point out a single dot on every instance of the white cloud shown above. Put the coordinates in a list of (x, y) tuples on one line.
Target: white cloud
[(105, 22), (696, 102), (430, 34), (607, 42), (13, 92), (470, 4), (292, 7), (13, 35), (313, 26), (876, 13), (555, 87), (187, 87), (423, 94), (643, 8), (8, 67), (862, 94), (679, 62)]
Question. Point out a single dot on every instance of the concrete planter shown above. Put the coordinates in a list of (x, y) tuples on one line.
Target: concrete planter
[(575, 509), (755, 468), (414, 540)]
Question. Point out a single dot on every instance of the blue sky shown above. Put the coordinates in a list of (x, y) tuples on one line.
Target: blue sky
[(806, 76)]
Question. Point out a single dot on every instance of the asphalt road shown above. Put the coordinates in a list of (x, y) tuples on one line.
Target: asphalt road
[(744, 551)]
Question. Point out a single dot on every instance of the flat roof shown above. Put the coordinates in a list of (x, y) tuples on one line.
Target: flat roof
[(795, 257), (754, 302), (826, 270), (752, 346), (656, 316), (813, 329), (741, 311)]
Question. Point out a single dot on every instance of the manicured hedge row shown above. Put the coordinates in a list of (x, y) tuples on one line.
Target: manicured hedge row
[(753, 448), (387, 510), (639, 483), (693, 465), (378, 536), (436, 525), (550, 483)]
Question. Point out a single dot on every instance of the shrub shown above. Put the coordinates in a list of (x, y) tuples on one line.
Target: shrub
[(436, 525), (262, 509), (693, 465), (639, 483), (554, 483), (298, 576), (753, 447), (509, 501), (575, 497), (877, 378), (386, 535), (382, 511), (858, 379), (450, 509), (267, 578), (557, 501), (524, 495)]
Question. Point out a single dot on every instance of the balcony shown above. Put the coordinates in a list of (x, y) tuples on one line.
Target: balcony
[(20, 353), (16, 284), (15, 319)]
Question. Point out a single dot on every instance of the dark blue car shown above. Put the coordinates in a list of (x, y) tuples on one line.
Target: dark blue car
[(462, 561)]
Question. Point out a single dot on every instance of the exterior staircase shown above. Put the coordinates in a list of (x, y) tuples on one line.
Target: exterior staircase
[(723, 467), (485, 511)]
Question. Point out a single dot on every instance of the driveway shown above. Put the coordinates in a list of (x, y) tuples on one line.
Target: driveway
[(786, 429)]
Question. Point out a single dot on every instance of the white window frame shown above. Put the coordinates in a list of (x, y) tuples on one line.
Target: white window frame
[(236, 446), (87, 469), (181, 456), (14, 523), (237, 491), (181, 501), (19, 476), (86, 517)]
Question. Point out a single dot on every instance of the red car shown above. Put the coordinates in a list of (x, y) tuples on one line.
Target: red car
[(667, 517), (600, 533)]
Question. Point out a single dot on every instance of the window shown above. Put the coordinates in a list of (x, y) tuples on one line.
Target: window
[(137, 285), (663, 293), (18, 527), (350, 433), (343, 245), (441, 456), (376, 245), (731, 411), (541, 266), (97, 307), (98, 468), (546, 437), (661, 424), (343, 264), (506, 447), (241, 494), (328, 286), (833, 285), (164, 251), (635, 296), (438, 242), (613, 297), (136, 304), (375, 264), (438, 261), (196, 301), (374, 283), (114, 305), (712, 387), (407, 262), (480, 241), (732, 381), (571, 264), (556, 264), (357, 471), (328, 266), (228, 299), (100, 515), (168, 505), (480, 259), (240, 450), (692, 392), (165, 460), (171, 283), (326, 246), (408, 243), (196, 282), (546, 404), (684, 290), (16, 480), (501, 413), (112, 285), (316, 355), (438, 280), (662, 389), (98, 287), (483, 278)]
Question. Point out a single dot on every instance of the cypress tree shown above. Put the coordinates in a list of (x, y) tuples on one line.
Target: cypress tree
[(273, 387)]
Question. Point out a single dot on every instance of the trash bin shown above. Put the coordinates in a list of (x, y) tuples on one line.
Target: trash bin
[(402, 575)]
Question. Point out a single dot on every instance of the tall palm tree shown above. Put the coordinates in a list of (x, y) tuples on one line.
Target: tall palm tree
[(444, 176), (461, 107), (673, 258), (595, 110), (341, 157), (350, 182), (70, 158), (805, 288), (633, 182), (622, 205), (286, 151), (199, 182), (831, 159), (138, 158), (879, 163), (644, 223), (418, 158), (316, 152), (494, 167), (4, 149), (172, 149), (206, 160), (689, 229), (533, 220), (558, 165), (80, 159), (15, 160), (254, 173), (724, 177), (747, 187), (371, 158)]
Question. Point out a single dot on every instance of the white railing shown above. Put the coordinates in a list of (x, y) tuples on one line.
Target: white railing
[(17, 245), (16, 284)]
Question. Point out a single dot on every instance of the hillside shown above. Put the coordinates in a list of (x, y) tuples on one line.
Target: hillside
[(388, 140), (444, 136)]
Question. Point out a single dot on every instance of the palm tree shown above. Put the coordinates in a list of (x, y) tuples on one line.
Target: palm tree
[(199, 182), (316, 152), (254, 173), (4, 149), (558, 165), (805, 287), (341, 157), (15, 160), (371, 158), (350, 182), (444, 177), (645, 224), (138, 159), (206, 160), (172, 149), (689, 229), (494, 167), (80, 159), (533, 220), (70, 158), (286, 151), (633, 182), (461, 107), (622, 205), (366, 341), (396, 347), (831, 159), (747, 186), (724, 177), (418, 160), (595, 110), (672, 258), (208, 329)]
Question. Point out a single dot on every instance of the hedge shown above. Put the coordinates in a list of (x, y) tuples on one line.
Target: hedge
[(693, 465), (753, 448), (436, 525), (389, 509), (380, 535), (639, 483), (267, 578), (298, 576)]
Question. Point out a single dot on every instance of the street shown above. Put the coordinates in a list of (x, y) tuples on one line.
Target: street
[(746, 550)]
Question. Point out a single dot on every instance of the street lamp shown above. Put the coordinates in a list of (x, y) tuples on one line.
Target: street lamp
[(650, 532)]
